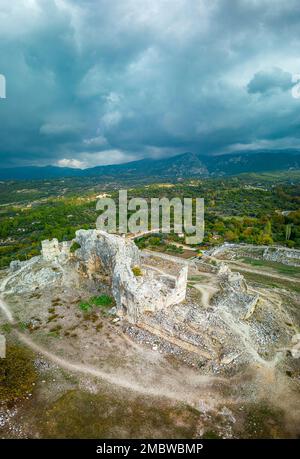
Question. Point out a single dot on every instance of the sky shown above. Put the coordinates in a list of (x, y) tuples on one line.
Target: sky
[(92, 82)]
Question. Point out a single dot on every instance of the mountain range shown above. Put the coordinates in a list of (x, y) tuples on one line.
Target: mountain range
[(181, 166)]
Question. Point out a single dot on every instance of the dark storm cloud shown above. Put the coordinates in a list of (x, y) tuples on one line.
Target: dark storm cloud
[(270, 80), (99, 81)]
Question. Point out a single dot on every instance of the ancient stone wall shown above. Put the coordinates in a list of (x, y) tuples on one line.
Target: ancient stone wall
[(282, 255), (53, 249)]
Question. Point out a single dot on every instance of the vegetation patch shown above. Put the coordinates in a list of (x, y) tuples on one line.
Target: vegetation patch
[(17, 374), (75, 246), (6, 328), (52, 317), (263, 421), (102, 301), (106, 415), (265, 280), (279, 267), (85, 306), (174, 248), (137, 271)]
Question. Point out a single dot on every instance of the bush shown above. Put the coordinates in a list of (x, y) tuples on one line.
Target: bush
[(137, 271), (85, 306), (174, 249), (102, 300), (6, 328), (75, 246)]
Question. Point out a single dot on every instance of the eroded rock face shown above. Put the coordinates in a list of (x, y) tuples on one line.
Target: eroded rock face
[(100, 255), (231, 281), (116, 257), (27, 276)]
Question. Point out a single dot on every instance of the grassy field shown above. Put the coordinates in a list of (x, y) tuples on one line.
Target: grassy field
[(278, 267), (265, 281)]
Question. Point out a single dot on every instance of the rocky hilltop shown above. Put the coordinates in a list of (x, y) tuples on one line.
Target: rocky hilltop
[(106, 258), (213, 316)]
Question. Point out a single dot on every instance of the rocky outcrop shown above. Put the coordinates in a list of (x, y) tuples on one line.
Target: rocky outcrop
[(116, 257), (29, 275), (100, 256), (216, 320), (45, 271), (231, 280)]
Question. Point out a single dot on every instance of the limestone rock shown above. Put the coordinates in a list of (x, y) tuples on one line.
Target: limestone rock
[(15, 265), (116, 256), (27, 280)]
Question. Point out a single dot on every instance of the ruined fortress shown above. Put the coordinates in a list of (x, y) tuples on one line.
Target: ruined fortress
[(102, 254), (197, 308)]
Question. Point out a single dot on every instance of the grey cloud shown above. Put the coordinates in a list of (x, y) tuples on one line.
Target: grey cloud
[(100, 80), (269, 80)]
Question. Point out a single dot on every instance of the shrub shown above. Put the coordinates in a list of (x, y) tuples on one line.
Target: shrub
[(99, 301), (6, 328), (137, 271), (75, 246), (102, 300), (85, 306)]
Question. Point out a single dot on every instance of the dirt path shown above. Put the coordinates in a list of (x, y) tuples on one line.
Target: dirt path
[(78, 367), (206, 291), (6, 311), (173, 392)]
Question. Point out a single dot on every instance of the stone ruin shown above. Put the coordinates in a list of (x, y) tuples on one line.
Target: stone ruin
[(136, 288), (282, 255), (104, 255), (54, 249), (233, 284), (223, 331), (117, 257)]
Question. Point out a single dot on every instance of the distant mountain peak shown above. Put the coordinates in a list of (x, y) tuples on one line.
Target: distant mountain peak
[(184, 165)]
